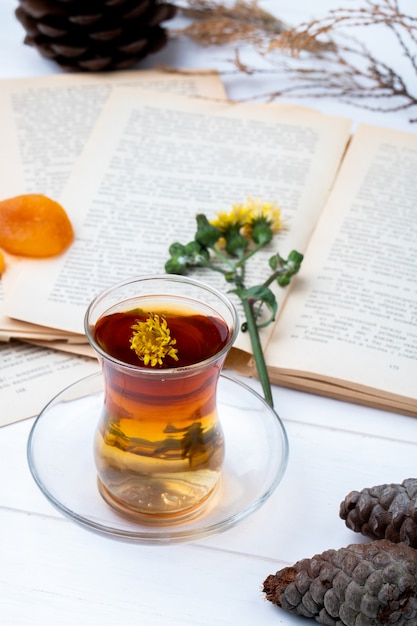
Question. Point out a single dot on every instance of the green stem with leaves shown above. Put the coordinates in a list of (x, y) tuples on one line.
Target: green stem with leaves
[(245, 231)]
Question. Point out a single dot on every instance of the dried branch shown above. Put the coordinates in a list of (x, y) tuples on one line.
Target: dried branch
[(352, 73), (317, 58), (216, 24), (385, 12)]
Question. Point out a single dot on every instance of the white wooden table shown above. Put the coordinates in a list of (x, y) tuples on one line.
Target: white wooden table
[(54, 572)]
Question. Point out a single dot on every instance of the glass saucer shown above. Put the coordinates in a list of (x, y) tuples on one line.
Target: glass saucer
[(60, 456)]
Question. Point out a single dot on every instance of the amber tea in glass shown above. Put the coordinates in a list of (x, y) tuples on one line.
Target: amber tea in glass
[(159, 444)]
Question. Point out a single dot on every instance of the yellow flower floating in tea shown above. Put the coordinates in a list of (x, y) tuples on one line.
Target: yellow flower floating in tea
[(224, 245), (152, 341)]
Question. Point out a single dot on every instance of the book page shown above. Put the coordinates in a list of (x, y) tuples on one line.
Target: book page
[(26, 373), (352, 315), (24, 330), (45, 123), (150, 166)]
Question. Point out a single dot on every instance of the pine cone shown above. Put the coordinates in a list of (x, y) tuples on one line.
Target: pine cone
[(94, 35), (384, 512), (361, 585)]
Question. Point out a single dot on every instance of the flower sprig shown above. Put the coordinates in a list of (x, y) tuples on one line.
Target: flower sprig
[(225, 244)]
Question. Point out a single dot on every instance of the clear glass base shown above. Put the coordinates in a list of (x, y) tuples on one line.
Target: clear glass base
[(155, 518)]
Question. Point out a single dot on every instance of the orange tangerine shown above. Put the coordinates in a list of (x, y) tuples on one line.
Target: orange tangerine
[(33, 225)]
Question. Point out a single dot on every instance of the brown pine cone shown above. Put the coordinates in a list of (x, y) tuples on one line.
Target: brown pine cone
[(384, 512), (371, 584), (94, 35)]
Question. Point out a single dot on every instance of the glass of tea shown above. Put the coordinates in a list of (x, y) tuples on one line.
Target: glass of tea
[(159, 445)]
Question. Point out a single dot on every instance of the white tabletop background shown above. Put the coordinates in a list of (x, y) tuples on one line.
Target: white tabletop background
[(53, 572)]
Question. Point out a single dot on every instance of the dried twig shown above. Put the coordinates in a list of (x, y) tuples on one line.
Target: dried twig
[(318, 57), (216, 24), (351, 72)]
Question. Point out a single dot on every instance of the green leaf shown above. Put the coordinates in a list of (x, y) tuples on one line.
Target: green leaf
[(263, 295)]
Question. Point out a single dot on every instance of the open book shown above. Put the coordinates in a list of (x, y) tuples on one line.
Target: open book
[(347, 327)]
